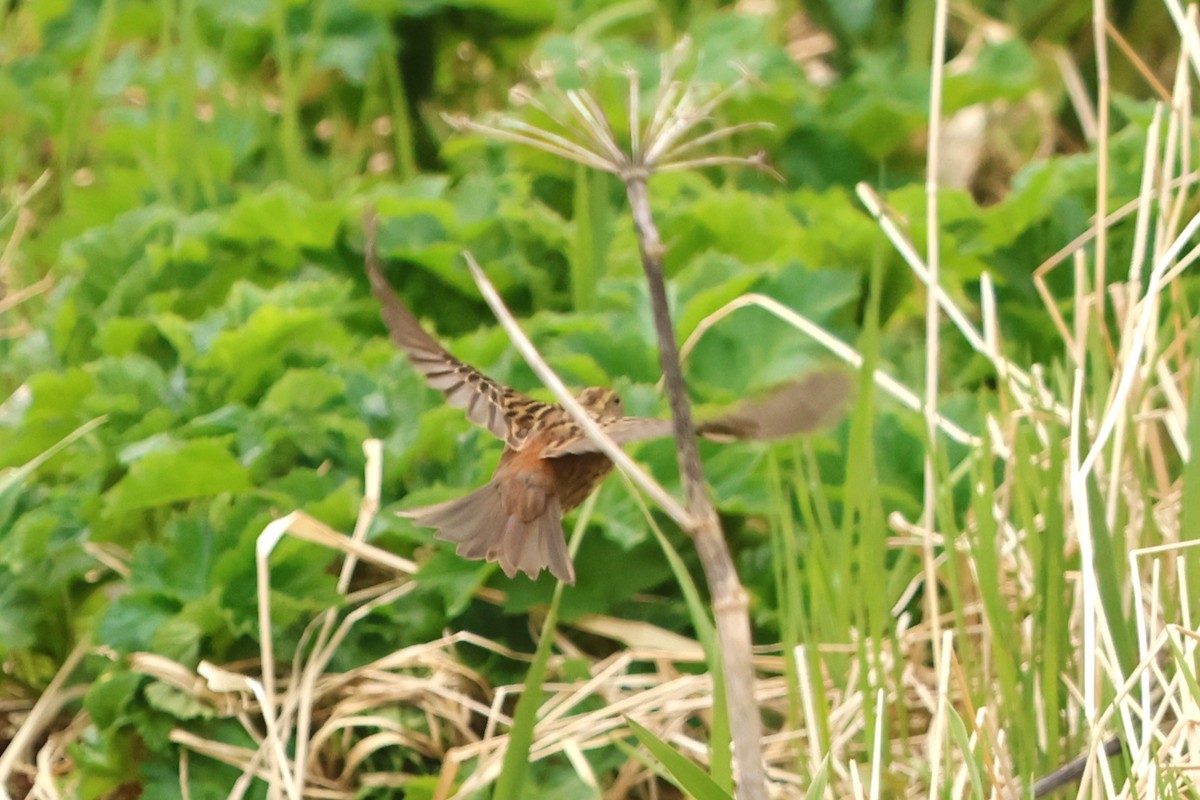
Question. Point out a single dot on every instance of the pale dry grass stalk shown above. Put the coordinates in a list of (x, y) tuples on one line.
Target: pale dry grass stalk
[(1151, 378), (22, 220), (316, 708), (933, 371), (52, 700), (668, 699)]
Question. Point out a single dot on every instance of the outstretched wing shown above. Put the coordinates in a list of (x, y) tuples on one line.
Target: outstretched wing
[(817, 400), (489, 404), (798, 407)]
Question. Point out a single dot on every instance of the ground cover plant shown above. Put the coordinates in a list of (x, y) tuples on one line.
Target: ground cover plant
[(982, 572)]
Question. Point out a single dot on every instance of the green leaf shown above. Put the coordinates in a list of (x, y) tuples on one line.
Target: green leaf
[(686, 775), (11, 481), (1111, 575), (122, 335), (56, 403), (242, 361), (130, 622), (882, 104), (511, 783), (285, 215), (958, 732), (749, 227), (199, 468), (179, 567), (109, 696), (1001, 70), (816, 789), (454, 579), (303, 390), (353, 41), (528, 12), (177, 639)]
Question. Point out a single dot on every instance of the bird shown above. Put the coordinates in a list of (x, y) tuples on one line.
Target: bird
[(549, 465)]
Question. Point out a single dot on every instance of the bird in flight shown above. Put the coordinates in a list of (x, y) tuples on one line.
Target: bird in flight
[(549, 465)]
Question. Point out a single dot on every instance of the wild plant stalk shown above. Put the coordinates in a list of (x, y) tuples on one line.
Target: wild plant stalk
[(729, 599), (667, 144)]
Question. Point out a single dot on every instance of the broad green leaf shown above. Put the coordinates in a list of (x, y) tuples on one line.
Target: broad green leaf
[(129, 624), (750, 227), (178, 565), (196, 469), (353, 40), (179, 639), (285, 215), (882, 104), (110, 695), (242, 361), (122, 335), (303, 390), (1001, 70)]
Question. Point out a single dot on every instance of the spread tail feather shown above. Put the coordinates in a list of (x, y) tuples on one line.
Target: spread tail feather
[(480, 528)]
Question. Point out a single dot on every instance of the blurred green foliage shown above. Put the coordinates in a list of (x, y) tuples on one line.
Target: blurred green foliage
[(210, 163)]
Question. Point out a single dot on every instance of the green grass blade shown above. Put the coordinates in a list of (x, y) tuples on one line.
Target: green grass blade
[(786, 562), (1189, 527), (685, 774), (720, 753), (1111, 578), (991, 577), (12, 480), (403, 137), (593, 231), (958, 731), (511, 783), (816, 789)]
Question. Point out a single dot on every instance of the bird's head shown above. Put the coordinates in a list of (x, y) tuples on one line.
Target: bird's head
[(601, 403)]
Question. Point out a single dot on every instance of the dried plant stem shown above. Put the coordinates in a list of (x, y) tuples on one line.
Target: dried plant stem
[(52, 700), (931, 484), (730, 603)]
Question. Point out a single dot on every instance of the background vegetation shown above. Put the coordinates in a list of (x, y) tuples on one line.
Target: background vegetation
[(190, 351)]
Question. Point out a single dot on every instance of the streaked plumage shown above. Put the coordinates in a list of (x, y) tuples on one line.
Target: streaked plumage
[(549, 466)]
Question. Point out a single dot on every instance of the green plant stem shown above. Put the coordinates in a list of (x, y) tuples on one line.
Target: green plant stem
[(402, 136), (730, 603), (289, 93)]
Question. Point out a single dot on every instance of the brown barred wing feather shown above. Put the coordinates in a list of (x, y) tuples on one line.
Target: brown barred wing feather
[(499, 409)]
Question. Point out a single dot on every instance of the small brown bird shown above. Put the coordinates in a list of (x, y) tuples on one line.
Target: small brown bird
[(549, 466)]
